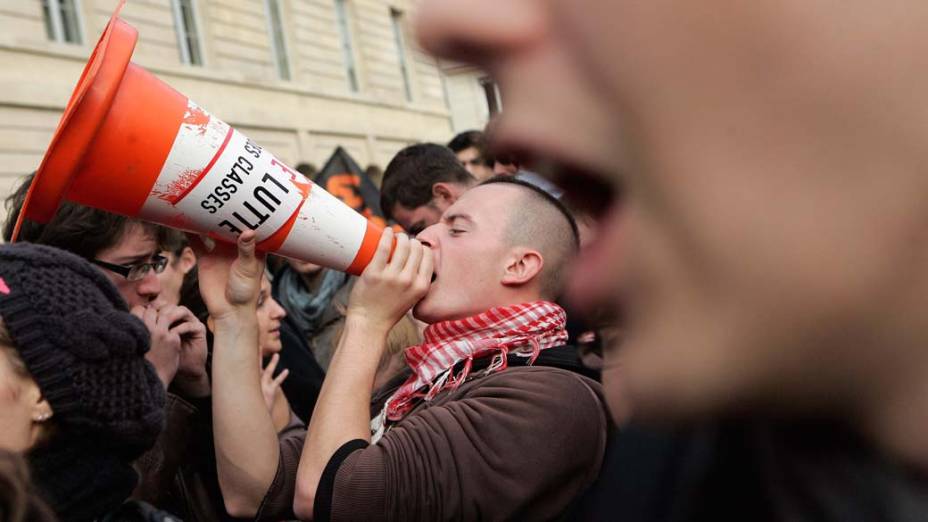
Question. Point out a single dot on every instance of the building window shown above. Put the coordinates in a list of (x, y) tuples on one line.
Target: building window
[(397, 18), (61, 20), (344, 31), (491, 91), (188, 35), (278, 44)]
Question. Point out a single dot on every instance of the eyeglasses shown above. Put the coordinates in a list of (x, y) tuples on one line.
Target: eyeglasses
[(135, 272)]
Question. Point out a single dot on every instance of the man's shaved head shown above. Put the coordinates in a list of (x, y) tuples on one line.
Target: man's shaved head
[(541, 222)]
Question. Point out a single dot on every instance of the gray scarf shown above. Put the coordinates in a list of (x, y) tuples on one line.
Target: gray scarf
[(305, 308)]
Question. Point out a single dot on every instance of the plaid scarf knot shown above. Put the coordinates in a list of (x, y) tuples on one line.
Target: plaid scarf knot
[(524, 330)]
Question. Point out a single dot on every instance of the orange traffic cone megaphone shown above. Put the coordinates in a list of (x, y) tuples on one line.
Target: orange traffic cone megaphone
[(129, 144)]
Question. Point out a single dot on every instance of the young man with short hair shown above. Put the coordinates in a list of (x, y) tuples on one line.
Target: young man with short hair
[(420, 182), (490, 421), (127, 251), (470, 147)]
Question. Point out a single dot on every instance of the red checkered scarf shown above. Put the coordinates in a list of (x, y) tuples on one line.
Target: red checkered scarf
[(524, 329)]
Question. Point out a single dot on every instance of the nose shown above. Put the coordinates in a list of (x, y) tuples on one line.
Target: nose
[(478, 31), (428, 236), (277, 311), (149, 286)]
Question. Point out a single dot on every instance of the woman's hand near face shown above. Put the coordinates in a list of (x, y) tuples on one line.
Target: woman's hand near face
[(270, 385)]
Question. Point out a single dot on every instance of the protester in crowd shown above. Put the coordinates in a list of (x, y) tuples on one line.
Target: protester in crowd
[(420, 183), (126, 251), (770, 246), (470, 147), (179, 275), (270, 315), (261, 489), (499, 252), (307, 358), (232, 301), (306, 291), (303, 352), (79, 400)]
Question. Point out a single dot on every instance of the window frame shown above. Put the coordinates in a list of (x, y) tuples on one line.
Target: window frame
[(492, 95), (55, 23), (182, 32), (346, 42), (281, 56), (399, 38)]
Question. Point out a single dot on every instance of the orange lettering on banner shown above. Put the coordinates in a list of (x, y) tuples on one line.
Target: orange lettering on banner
[(347, 187)]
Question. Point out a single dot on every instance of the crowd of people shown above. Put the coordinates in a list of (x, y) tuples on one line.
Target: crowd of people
[(684, 280)]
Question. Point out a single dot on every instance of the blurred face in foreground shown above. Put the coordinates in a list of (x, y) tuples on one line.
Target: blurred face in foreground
[(773, 235)]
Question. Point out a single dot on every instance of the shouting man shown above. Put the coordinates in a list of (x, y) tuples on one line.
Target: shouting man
[(491, 421)]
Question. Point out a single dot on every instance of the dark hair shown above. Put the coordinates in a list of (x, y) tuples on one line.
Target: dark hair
[(466, 140), (173, 241), (411, 174), (375, 173), (476, 139), (547, 197), (76, 228), (307, 169)]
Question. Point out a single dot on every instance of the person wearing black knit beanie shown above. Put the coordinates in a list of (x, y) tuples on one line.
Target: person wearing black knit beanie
[(77, 396)]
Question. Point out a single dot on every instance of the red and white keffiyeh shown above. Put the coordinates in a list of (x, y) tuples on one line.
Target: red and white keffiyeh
[(524, 330)]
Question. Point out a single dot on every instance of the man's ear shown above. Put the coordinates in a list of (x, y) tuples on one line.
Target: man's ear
[(523, 266), (445, 193), (187, 260)]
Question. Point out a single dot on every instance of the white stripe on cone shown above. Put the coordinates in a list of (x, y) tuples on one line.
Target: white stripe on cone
[(246, 187)]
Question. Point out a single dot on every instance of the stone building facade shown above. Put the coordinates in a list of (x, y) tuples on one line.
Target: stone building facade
[(298, 76)]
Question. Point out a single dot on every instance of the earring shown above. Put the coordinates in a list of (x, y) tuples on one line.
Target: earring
[(42, 417)]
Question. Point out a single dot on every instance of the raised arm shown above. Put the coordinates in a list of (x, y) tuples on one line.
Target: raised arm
[(246, 442), (386, 290)]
